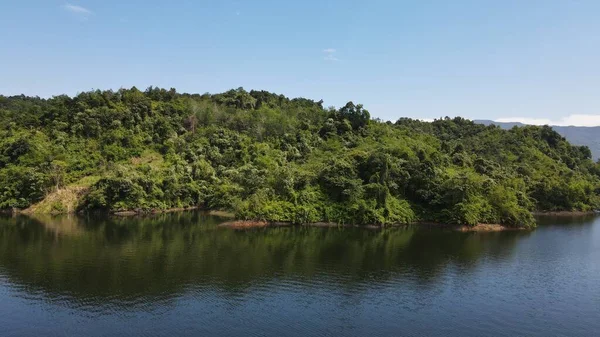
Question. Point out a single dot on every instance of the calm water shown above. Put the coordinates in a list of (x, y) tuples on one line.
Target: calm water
[(180, 274)]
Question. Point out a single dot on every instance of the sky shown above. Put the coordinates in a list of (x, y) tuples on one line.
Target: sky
[(529, 61)]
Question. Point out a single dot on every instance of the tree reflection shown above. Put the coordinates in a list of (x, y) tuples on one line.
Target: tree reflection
[(144, 259)]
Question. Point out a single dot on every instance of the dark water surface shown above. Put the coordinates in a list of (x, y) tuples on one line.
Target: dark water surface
[(181, 275)]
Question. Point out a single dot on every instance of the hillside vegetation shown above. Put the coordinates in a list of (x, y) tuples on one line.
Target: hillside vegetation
[(577, 135), (268, 157)]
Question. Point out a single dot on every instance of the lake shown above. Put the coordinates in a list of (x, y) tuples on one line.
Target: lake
[(180, 274)]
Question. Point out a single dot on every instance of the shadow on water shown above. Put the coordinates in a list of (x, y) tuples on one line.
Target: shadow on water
[(99, 260)]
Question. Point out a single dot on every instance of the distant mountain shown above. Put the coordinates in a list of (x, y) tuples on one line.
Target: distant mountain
[(576, 135)]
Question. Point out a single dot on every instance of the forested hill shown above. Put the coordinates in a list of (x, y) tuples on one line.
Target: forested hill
[(579, 135), (265, 156)]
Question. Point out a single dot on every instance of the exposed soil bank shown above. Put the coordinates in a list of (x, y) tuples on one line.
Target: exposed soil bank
[(61, 201), (247, 224)]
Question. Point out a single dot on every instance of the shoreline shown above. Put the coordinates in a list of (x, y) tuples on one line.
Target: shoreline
[(154, 211), (251, 224), (221, 213), (125, 213), (229, 214), (564, 213)]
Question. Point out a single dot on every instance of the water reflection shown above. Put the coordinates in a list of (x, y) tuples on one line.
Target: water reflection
[(562, 220), (100, 260)]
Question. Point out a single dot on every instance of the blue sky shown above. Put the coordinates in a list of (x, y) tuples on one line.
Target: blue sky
[(536, 61)]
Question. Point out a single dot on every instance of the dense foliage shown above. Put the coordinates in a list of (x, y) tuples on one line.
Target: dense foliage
[(266, 156), (577, 135)]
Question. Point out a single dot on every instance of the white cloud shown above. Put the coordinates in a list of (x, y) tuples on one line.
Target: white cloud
[(575, 120), (78, 10), (330, 54)]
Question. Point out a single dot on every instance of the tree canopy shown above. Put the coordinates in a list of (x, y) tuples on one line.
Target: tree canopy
[(265, 156)]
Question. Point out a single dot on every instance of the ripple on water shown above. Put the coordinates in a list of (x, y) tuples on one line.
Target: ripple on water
[(152, 277)]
